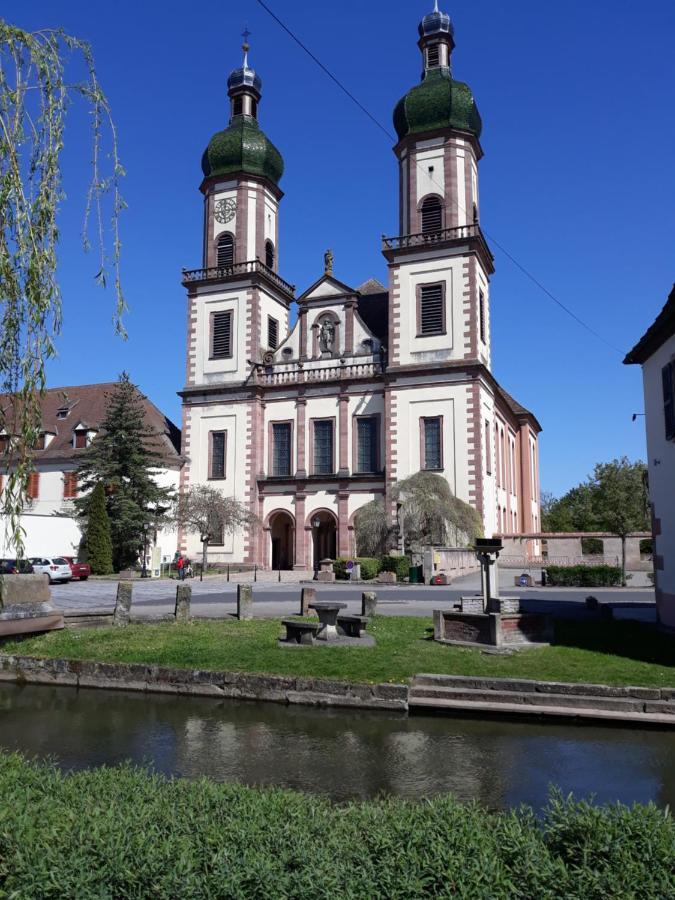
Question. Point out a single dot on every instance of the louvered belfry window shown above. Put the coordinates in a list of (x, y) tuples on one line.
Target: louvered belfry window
[(481, 314), (431, 309), (432, 216), (221, 335), (272, 333), (323, 447), (433, 58), (225, 249)]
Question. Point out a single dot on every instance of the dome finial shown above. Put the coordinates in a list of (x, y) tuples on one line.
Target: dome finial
[(435, 5), (246, 34)]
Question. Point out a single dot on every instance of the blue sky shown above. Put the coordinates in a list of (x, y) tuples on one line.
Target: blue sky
[(577, 182)]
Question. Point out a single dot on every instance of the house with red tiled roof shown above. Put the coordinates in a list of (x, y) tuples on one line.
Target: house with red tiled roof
[(71, 418), (655, 352)]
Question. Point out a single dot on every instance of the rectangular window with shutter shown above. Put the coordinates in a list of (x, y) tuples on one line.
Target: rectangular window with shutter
[(34, 485), (488, 449), (69, 485), (281, 449), (272, 333), (218, 445), (668, 379), (221, 335), (367, 450), (433, 56), (432, 443), (430, 309), (323, 446)]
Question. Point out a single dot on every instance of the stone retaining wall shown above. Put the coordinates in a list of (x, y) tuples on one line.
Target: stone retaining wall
[(202, 683)]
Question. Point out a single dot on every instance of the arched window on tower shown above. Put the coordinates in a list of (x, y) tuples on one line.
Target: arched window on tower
[(432, 215), (225, 250), (269, 254)]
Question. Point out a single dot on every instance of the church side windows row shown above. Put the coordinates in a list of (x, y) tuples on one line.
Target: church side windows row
[(221, 335), (431, 309), (366, 450), (431, 441), (281, 449)]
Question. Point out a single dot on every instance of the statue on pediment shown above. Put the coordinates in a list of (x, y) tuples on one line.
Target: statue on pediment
[(328, 262)]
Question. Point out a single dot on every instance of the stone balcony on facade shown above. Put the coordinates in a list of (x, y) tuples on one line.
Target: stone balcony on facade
[(235, 272), (446, 239)]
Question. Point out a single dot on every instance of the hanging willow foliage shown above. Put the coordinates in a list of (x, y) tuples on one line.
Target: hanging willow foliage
[(34, 98)]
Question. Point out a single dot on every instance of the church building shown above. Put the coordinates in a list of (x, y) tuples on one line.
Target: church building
[(309, 407)]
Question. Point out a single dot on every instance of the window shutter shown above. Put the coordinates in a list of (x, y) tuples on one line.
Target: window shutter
[(34, 485), (432, 216), (69, 485), (225, 251), (281, 449), (432, 318), (218, 441), (272, 333), (433, 56), (668, 378), (481, 314), (221, 338), (323, 447)]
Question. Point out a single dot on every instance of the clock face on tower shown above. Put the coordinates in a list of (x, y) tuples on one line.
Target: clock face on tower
[(225, 210)]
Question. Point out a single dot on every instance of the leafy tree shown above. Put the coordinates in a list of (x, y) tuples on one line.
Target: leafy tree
[(125, 457), (36, 88), (98, 542), (431, 514), (619, 500), (371, 530), (613, 499), (205, 511)]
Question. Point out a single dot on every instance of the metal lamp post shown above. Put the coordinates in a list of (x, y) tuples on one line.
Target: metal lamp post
[(316, 524), (144, 569)]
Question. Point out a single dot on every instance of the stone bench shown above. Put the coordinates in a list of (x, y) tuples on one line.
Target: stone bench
[(352, 626), (300, 632)]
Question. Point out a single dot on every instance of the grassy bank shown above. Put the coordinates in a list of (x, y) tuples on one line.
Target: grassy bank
[(122, 833), (604, 652)]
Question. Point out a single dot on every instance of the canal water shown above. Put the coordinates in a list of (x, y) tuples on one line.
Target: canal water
[(342, 753)]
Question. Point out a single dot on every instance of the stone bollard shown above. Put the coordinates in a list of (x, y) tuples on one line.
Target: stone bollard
[(182, 608), (122, 613), (368, 603), (307, 596), (244, 601)]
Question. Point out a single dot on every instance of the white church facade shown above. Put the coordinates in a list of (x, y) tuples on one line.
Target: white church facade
[(308, 408)]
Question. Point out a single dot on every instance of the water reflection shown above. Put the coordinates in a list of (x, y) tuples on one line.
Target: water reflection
[(343, 753)]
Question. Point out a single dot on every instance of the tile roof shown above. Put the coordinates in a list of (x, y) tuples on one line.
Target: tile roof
[(86, 404), (656, 335), (371, 286), (516, 408)]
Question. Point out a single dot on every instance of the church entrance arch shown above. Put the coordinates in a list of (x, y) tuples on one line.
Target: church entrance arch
[(282, 537), (324, 536)]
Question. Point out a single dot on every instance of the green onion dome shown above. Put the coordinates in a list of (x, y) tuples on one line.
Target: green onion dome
[(243, 147), (437, 102)]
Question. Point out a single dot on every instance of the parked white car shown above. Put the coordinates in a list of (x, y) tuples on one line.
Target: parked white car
[(56, 567)]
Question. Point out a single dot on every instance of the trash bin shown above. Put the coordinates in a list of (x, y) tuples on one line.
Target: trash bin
[(415, 574), (543, 578)]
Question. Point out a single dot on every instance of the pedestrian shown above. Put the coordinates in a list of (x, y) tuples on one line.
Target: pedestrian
[(180, 565), (187, 570)]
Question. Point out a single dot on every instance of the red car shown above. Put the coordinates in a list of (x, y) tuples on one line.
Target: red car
[(79, 570)]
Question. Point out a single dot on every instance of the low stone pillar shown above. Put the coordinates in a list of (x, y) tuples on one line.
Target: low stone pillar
[(387, 577), (122, 614), (244, 601), (368, 603), (307, 596), (181, 611), (326, 573)]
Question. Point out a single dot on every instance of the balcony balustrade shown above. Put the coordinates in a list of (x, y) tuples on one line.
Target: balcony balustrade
[(227, 273)]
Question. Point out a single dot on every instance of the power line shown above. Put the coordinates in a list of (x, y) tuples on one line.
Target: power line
[(391, 137)]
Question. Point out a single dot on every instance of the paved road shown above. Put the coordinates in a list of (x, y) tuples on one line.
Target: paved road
[(215, 597)]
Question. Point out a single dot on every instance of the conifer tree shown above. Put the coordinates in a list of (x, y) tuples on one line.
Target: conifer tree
[(98, 542), (125, 456)]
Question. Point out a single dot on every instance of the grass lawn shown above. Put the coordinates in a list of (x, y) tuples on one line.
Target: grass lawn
[(603, 652)]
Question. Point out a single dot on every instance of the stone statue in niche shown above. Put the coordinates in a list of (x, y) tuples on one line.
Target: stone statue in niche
[(326, 336)]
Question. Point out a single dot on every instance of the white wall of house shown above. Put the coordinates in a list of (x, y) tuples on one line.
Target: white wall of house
[(661, 463)]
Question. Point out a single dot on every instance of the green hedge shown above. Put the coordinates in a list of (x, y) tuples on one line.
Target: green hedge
[(123, 833), (583, 576), (398, 564), (370, 567)]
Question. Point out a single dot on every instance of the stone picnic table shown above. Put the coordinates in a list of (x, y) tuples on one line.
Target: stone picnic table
[(327, 611)]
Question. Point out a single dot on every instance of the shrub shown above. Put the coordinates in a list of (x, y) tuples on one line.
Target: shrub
[(369, 567), (583, 576), (122, 832), (398, 564), (646, 548)]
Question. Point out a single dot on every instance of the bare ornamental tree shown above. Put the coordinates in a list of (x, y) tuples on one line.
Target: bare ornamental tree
[(205, 511)]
